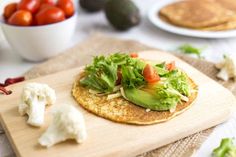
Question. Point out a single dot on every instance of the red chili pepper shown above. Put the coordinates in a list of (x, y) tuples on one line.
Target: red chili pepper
[(5, 91), (8, 82)]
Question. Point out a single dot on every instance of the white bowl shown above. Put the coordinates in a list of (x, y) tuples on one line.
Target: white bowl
[(37, 43)]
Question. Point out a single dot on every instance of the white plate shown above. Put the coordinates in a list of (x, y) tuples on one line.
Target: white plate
[(152, 15)]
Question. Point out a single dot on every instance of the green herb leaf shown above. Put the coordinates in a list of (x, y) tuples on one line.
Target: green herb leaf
[(188, 49)]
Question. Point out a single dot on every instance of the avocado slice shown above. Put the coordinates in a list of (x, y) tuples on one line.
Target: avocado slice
[(147, 100)]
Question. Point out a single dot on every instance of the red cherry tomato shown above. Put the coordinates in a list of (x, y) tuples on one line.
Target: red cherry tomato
[(21, 18), (50, 15), (29, 5), (150, 74), (170, 66), (9, 10), (52, 2), (45, 5), (134, 55), (67, 6)]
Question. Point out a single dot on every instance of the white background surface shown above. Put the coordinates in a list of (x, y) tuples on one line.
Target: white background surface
[(12, 65)]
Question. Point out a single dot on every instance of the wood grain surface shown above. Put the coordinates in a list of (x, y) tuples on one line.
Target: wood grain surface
[(107, 138)]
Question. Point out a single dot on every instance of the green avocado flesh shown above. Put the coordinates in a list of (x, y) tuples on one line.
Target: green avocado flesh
[(146, 100)]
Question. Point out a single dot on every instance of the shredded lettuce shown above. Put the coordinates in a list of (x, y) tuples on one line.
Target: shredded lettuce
[(179, 81), (101, 75)]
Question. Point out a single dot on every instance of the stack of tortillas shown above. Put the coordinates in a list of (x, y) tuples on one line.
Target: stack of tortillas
[(210, 15)]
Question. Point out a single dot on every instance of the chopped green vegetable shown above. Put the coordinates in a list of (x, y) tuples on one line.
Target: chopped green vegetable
[(101, 75), (226, 149), (188, 49), (179, 81), (132, 77)]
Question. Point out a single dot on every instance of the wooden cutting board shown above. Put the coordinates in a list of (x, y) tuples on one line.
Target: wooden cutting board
[(107, 138)]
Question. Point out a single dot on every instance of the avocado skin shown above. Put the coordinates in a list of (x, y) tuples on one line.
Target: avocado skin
[(122, 14), (92, 5), (145, 100)]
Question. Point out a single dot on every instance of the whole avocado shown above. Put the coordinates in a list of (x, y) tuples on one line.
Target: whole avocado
[(122, 14), (92, 5)]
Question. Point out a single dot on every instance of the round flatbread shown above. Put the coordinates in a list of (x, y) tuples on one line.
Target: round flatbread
[(196, 14), (229, 5), (123, 111)]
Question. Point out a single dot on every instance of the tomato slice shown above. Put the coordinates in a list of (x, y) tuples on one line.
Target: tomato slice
[(170, 66), (150, 74), (134, 55)]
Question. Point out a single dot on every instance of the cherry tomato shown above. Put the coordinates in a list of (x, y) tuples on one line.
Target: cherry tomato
[(67, 6), (30, 5), (170, 66), (50, 15), (21, 18), (45, 5), (48, 2), (150, 74), (9, 10), (134, 55)]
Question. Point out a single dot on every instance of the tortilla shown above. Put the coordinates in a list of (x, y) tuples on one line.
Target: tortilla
[(229, 5), (123, 111), (225, 26), (196, 14)]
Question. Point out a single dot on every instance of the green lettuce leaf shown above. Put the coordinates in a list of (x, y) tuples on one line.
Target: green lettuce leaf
[(101, 75)]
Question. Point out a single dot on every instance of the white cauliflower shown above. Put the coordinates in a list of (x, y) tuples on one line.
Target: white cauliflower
[(227, 68), (34, 99), (68, 123)]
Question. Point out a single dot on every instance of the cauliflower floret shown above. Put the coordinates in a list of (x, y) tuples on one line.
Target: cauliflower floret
[(35, 97), (68, 123), (227, 68)]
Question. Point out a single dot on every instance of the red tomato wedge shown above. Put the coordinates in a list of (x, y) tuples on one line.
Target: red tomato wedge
[(150, 74), (170, 66), (134, 55)]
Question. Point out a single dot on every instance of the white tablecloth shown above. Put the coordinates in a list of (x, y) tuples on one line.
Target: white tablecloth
[(12, 65)]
